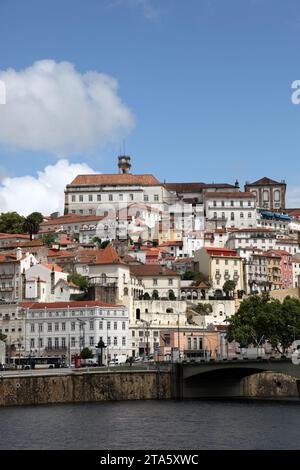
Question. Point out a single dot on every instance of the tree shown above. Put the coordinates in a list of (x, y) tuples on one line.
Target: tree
[(2, 337), (97, 241), (78, 280), (229, 287), (204, 309), (48, 238), (32, 223), (11, 222), (260, 319), (86, 353), (104, 244), (172, 296)]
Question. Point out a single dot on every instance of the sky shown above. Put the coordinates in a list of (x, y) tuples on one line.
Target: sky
[(193, 90)]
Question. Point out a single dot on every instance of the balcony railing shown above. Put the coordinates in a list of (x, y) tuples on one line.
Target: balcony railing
[(103, 281)]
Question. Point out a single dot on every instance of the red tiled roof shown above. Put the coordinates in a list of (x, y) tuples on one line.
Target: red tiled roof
[(53, 267), (107, 256), (115, 179), (70, 219), (32, 243), (72, 304), (151, 270), (263, 181), (13, 235), (231, 195)]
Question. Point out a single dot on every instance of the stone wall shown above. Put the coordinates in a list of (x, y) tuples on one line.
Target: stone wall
[(270, 384), (84, 387)]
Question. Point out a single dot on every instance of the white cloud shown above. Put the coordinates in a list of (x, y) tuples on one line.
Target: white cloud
[(45, 193), (52, 107), (293, 197)]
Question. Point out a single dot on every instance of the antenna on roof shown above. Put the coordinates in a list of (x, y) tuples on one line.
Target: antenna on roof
[(124, 147)]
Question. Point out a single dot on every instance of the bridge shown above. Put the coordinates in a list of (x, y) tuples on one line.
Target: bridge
[(221, 379)]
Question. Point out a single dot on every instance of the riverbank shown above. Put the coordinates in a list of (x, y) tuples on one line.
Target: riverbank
[(123, 385)]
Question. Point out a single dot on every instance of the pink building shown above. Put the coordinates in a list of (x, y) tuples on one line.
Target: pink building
[(286, 268)]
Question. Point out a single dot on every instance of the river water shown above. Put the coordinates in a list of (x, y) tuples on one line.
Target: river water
[(153, 425)]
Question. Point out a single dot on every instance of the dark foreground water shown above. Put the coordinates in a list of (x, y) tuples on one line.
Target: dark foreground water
[(153, 425)]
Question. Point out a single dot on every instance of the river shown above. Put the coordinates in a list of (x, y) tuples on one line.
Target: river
[(153, 425)]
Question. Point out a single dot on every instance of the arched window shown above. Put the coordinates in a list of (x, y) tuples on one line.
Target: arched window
[(125, 290), (138, 314), (277, 195), (266, 195), (155, 295)]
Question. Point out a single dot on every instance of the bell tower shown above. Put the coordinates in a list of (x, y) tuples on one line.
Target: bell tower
[(124, 164)]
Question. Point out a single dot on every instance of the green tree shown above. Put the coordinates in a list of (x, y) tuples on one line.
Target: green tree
[(11, 222), (86, 353), (172, 296), (259, 320), (97, 241), (229, 287), (48, 238), (204, 309), (32, 223), (104, 244), (79, 280), (2, 337)]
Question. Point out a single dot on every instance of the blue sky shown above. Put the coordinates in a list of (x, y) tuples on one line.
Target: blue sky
[(207, 81)]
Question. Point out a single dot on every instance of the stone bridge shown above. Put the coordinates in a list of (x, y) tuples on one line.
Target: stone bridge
[(226, 378)]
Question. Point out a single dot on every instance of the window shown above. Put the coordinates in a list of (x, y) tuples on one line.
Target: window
[(100, 325), (146, 197), (108, 340), (80, 198), (266, 196), (110, 197), (277, 195), (72, 342), (41, 327), (108, 325), (73, 198), (241, 203), (49, 326), (215, 204), (32, 342), (73, 326), (115, 341), (249, 203), (223, 215), (249, 215), (32, 327), (63, 327), (49, 343), (98, 197), (131, 197), (223, 203), (90, 197), (123, 325), (156, 197), (232, 216), (123, 340), (170, 282), (115, 325), (195, 343), (56, 343), (91, 340), (120, 197), (91, 325), (63, 342), (242, 215), (215, 215), (56, 326), (155, 282), (231, 203)]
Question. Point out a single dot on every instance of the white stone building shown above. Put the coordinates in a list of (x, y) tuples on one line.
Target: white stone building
[(230, 209), (65, 328)]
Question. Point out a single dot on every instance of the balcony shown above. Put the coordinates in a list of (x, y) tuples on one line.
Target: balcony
[(103, 281)]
